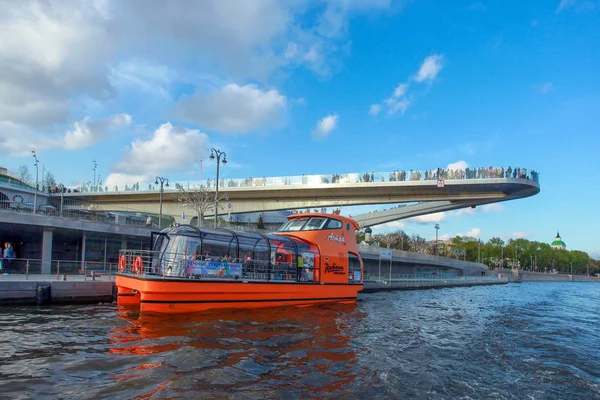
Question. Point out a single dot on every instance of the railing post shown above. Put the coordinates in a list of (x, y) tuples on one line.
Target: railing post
[(27, 270), (57, 269)]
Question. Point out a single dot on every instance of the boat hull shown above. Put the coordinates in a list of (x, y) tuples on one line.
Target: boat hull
[(182, 296)]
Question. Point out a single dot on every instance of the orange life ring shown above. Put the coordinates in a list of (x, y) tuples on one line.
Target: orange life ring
[(122, 263), (138, 265)]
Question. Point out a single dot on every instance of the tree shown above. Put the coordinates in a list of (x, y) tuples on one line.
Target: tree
[(50, 181), (24, 174), (260, 224), (417, 244), (199, 199)]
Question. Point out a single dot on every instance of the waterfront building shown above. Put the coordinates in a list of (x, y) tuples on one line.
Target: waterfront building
[(558, 243)]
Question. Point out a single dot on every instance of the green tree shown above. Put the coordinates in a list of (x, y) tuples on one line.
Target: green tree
[(260, 224), (24, 175)]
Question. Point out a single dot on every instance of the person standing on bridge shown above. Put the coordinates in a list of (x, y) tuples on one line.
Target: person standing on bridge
[(149, 221)]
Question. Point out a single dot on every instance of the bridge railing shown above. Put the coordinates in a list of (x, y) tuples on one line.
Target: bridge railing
[(417, 280), (64, 207), (440, 174), (58, 268)]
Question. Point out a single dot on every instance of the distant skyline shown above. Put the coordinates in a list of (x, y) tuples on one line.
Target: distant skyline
[(314, 87)]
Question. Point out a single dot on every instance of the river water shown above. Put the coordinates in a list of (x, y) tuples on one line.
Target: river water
[(517, 341)]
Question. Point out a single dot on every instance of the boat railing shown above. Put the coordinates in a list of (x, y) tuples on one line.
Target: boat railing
[(164, 264)]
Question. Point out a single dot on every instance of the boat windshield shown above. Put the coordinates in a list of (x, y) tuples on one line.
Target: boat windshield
[(310, 224), (293, 225)]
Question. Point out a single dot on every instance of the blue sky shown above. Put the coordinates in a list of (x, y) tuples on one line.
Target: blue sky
[(310, 87)]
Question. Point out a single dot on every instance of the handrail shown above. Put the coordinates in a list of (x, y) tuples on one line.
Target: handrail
[(432, 175)]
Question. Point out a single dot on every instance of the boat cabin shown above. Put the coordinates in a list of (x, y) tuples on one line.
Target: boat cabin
[(308, 248)]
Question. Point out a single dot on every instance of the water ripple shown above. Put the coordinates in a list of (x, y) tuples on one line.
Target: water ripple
[(527, 341)]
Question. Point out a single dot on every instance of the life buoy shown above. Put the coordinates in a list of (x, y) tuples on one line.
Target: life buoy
[(138, 265), (122, 263)]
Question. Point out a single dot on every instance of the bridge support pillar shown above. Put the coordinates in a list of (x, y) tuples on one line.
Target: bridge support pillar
[(47, 236)]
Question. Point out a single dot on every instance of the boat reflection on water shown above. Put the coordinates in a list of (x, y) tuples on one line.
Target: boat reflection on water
[(293, 351)]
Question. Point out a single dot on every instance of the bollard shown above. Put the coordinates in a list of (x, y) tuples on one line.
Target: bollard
[(43, 295), (27, 270), (57, 269)]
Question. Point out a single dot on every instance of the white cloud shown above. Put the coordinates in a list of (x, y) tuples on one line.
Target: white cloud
[(325, 125), (463, 212), (50, 52), (395, 105), (14, 136), (458, 165), (170, 149), (142, 75), (546, 87), (374, 110), (494, 207), (57, 56), (87, 132), (520, 235), (445, 236), (430, 68), (473, 233), (396, 102), (233, 108), (400, 91), (429, 218), (333, 22), (389, 226), (400, 99)]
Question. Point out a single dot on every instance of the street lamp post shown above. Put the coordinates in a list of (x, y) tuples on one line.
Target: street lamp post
[(437, 228), (36, 180), (214, 153), (163, 181), (94, 184), (571, 267)]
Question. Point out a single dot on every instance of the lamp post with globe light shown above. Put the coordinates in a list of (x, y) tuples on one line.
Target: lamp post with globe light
[(94, 183), (163, 182), (214, 153), (36, 179), (437, 228)]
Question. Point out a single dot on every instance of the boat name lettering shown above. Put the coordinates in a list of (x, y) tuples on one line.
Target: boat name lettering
[(336, 238), (335, 269)]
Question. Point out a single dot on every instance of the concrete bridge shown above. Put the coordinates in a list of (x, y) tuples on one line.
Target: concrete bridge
[(315, 191)]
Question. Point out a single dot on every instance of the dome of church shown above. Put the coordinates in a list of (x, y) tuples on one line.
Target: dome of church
[(558, 243)]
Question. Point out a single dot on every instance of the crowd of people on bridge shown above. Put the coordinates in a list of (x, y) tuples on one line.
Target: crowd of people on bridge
[(398, 175), (467, 173)]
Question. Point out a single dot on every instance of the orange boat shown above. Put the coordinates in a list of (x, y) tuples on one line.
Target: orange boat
[(313, 258)]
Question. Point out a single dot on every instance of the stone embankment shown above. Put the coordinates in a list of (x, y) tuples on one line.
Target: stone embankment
[(515, 275), (47, 289)]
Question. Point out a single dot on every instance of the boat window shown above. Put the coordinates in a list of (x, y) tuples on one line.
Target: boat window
[(315, 223), (333, 224), (217, 243), (293, 224), (282, 248), (176, 250), (254, 246)]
